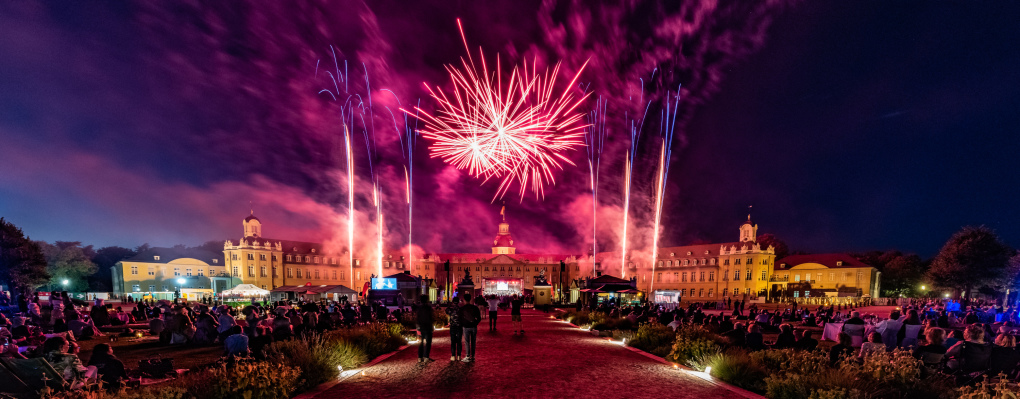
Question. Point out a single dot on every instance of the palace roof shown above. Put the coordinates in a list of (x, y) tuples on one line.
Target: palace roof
[(833, 261), (169, 254)]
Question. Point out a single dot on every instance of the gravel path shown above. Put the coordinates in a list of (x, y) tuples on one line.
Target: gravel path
[(552, 359)]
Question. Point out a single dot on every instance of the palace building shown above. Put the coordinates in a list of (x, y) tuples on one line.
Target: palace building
[(741, 269)]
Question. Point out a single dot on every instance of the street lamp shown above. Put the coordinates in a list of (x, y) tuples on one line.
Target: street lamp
[(64, 282)]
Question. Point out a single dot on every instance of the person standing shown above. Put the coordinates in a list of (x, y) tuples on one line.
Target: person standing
[(493, 302), (424, 321), (456, 331), (515, 313), (470, 316)]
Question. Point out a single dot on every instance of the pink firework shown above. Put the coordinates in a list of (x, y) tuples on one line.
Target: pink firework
[(515, 131)]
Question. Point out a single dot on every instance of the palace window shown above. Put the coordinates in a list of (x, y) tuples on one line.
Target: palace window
[(263, 286), (843, 277), (704, 261), (306, 258), (747, 276), (136, 288), (201, 272), (819, 278), (262, 256), (726, 262), (276, 272), (262, 272), (478, 268), (134, 270), (315, 259), (289, 258), (316, 274), (658, 279), (747, 291), (736, 291), (215, 261), (274, 258), (334, 275), (177, 271), (357, 275), (736, 261), (684, 277), (860, 276), (251, 271), (711, 276), (748, 261), (341, 274), (290, 272), (187, 272), (736, 274), (710, 293), (152, 271), (701, 292), (251, 256), (796, 278), (357, 262), (676, 277), (687, 262), (702, 277), (711, 261), (155, 257), (152, 288), (764, 275), (308, 273)]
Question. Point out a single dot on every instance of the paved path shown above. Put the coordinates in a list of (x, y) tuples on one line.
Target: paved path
[(552, 359)]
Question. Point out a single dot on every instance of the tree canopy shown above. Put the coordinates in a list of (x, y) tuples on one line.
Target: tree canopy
[(770, 239), (22, 264), (974, 257), (69, 261)]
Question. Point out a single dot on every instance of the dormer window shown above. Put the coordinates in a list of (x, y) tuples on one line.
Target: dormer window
[(707, 252), (215, 261), (313, 250), (688, 253), (155, 257), (839, 263), (672, 254)]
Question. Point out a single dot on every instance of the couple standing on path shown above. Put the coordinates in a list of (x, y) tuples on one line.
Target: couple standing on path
[(464, 320), (515, 313)]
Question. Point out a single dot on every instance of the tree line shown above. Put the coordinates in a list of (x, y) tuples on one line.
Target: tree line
[(27, 265)]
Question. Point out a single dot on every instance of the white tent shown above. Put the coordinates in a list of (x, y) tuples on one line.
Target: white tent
[(245, 290)]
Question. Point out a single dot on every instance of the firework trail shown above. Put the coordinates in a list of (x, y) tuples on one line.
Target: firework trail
[(516, 133), (667, 123), (594, 139), (408, 141), (628, 166)]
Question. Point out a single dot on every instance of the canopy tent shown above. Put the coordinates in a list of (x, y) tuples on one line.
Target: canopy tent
[(314, 292), (245, 290)]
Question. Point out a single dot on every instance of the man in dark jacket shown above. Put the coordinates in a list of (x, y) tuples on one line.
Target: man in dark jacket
[(470, 316), (424, 321), (456, 331)]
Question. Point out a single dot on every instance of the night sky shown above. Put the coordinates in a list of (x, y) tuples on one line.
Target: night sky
[(847, 125)]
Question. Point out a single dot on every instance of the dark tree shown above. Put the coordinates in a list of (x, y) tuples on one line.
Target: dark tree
[(105, 258), (214, 246), (972, 258), (770, 239), (903, 275), (22, 264), (68, 262)]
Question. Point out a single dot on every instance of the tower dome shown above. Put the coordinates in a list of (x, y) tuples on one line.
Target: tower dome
[(503, 243)]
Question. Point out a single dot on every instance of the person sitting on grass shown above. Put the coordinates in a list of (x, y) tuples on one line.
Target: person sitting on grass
[(874, 345), (57, 351), (785, 339), (843, 349), (110, 369), (806, 342), (236, 344), (754, 340)]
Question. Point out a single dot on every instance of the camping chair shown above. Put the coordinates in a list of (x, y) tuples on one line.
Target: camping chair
[(889, 335), (856, 333), (910, 339), (36, 373)]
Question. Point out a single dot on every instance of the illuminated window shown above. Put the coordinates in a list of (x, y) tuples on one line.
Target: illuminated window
[(711, 261), (134, 270), (187, 272), (262, 272), (736, 291), (201, 272), (764, 275), (315, 259), (357, 275), (701, 292), (710, 293), (289, 258), (747, 291), (796, 278), (306, 258), (747, 276)]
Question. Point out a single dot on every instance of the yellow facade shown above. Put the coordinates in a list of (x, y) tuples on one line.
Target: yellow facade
[(829, 274)]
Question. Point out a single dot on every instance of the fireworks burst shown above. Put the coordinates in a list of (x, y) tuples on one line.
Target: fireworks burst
[(594, 139), (628, 167), (515, 132)]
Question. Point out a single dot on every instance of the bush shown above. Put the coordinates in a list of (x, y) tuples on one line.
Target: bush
[(654, 338), (694, 346), (316, 357), (1002, 389), (737, 367)]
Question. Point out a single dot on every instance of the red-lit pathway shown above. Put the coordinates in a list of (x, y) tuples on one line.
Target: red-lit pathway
[(552, 359)]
